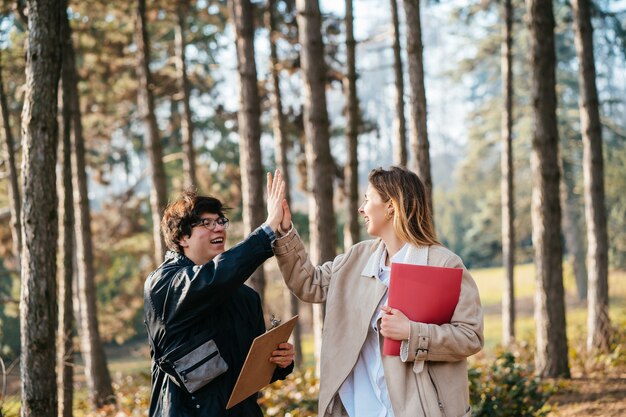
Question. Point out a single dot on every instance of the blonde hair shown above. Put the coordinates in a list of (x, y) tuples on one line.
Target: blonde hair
[(412, 219)]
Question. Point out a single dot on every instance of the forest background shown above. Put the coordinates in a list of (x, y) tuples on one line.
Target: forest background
[(159, 96)]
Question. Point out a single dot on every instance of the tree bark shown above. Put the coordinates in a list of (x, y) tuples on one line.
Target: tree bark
[(399, 123), (319, 161), (419, 134), (506, 181), (158, 192), (249, 127), (14, 193), (598, 323), (186, 124), (574, 244), (65, 357), (551, 356), (96, 370), (38, 307), (281, 146), (351, 227)]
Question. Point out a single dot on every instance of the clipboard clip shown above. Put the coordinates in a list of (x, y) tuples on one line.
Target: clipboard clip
[(274, 321)]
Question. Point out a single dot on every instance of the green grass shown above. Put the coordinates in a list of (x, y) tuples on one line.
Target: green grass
[(490, 284)]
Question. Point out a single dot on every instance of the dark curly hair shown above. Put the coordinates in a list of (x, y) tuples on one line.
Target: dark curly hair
[(185, 211)]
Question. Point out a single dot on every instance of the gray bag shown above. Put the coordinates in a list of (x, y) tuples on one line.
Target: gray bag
[(196, 368), (191, 365)]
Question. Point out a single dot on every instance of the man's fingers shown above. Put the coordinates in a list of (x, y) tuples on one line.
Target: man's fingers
[(277, 181)]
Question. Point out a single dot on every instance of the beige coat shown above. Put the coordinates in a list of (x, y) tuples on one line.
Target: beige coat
[(428, 380)]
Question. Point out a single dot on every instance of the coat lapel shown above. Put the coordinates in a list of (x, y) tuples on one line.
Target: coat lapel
[(373, 263), (416, 255)]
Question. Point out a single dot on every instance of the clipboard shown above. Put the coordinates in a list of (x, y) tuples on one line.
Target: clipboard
[(257, 370)]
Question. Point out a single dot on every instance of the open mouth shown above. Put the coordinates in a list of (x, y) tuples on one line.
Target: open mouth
[(217, 241)]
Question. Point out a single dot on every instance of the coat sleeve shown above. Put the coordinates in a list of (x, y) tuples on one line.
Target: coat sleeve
[(454, 341), (194, 290), (308, 282)]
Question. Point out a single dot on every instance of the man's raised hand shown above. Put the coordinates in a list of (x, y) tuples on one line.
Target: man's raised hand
[(275, 198)]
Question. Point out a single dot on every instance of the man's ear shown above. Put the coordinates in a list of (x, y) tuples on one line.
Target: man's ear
[(184, 241)]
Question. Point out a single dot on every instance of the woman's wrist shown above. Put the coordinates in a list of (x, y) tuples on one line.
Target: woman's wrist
[(283, 233)]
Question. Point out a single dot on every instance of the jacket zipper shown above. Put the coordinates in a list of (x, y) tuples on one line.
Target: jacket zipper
[(200, 363), (436, 386)]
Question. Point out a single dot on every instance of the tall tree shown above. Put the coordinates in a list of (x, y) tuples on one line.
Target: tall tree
[(158, 193), (320, 166), (551, 352), (419, 135), (96, 370), (574, 243), (598, 323), (38, 308), (281, 146), (399, 148), (186, 123), (248, 117), (14, 194), (351, 172), (65, 352), (506, 181)]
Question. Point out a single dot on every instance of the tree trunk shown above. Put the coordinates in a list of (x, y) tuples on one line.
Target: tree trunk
[(319, 161), (158, 193), (574, 244), (551, 356), (351, 227), (65, 358), (598, 323), (281, 146), (14, 193), (186, 124), (399, 149), (506, 181), (419, 134), (96, 370), (249, 127), (38, 307)]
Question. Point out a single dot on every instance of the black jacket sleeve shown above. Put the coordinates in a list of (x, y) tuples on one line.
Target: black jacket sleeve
[(187, 292)]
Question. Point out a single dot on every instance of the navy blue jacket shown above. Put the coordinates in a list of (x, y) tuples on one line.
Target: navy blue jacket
[(182, 300)]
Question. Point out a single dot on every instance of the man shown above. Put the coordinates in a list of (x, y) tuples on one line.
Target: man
[(200, 288)]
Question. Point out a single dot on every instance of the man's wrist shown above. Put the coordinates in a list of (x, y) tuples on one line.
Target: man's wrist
[(269, 231)]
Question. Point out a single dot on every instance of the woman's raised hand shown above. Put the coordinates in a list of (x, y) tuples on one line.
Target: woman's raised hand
[(275, 198)]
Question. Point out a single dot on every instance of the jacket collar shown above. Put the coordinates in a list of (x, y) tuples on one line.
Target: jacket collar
[(413, 256), (178, 257)]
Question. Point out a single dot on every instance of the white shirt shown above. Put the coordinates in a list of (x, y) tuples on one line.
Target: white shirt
[(364, 392)]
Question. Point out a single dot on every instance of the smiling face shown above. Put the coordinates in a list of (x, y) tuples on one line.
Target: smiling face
[(203, 244), (376, 212)]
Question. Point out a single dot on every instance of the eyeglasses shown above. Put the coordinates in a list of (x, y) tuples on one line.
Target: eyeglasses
[(210, 224)]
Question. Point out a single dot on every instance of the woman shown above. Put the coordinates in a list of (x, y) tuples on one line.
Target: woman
[(429, 378)]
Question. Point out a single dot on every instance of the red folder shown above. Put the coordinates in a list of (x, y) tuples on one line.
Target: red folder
[(425, 294)]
